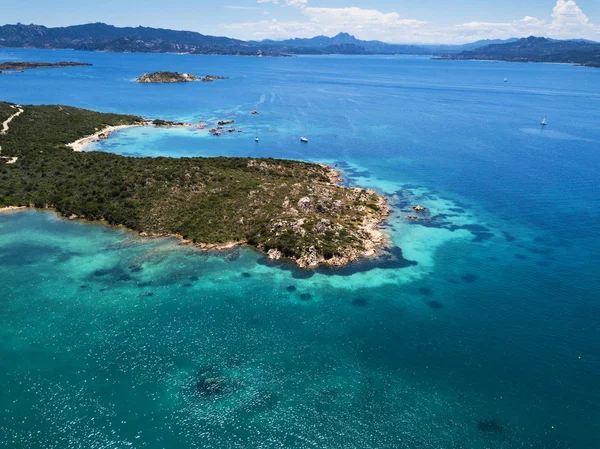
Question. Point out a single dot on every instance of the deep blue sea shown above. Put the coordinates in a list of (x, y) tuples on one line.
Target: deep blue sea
[(490, 339)]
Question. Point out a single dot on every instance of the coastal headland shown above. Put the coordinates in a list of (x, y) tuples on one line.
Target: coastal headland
[(286, 209), (20, 66)]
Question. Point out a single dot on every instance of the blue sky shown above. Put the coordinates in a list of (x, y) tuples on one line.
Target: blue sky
[(403, 21)]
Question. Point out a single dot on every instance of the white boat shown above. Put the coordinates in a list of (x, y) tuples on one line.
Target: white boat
[(544, 122), (303, 139), (256, 139), (506, 80)]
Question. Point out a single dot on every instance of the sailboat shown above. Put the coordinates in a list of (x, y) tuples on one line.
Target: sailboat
[(544, 122)]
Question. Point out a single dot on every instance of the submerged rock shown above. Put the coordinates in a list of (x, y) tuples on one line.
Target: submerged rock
[(210, 386), (211, 383), (360, 302), (490, 426), (305, 297), (469, 278)]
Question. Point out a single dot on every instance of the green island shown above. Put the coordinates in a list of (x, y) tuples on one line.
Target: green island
[(286, 209)]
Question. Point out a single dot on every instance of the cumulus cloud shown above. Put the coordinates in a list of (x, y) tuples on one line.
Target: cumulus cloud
[(567, 21)]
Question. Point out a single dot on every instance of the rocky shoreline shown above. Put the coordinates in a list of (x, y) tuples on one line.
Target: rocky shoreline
[(373, 240)]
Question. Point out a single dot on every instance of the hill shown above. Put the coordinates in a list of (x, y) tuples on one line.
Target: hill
[(102, 37), (537, 49)]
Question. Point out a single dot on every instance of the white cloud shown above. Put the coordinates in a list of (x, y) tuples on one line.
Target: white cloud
[(567, 21), (366, 23), (296, 3), (357, 19)]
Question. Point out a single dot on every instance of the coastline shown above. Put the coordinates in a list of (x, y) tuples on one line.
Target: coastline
[(80, 144)]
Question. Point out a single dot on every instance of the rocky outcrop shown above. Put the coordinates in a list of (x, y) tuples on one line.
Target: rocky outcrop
[(167, 77), (211, 78)]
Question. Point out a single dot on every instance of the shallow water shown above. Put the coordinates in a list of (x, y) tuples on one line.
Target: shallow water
[(489, 338)]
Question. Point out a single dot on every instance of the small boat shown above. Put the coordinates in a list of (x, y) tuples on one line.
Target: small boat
[(303, 139), (256, 139), (544, 122), (506, 80)]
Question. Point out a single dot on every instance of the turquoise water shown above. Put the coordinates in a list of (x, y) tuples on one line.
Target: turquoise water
[(488, 339)]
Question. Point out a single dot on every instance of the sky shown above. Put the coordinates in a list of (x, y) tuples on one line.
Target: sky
[(396, 21)]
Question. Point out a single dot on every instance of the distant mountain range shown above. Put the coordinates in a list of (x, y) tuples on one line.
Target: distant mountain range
[(537, 49), (103, 37)]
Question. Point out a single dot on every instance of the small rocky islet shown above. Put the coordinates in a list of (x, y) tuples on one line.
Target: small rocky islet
[(176, 77)]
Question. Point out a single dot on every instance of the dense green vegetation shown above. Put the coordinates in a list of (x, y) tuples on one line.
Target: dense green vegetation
[(281, 205)]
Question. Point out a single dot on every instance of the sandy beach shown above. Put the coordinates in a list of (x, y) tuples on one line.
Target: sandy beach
[(6, 210), (79, 145)]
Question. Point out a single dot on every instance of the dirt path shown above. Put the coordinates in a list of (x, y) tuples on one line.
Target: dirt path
[(9, 119), (11, 160)]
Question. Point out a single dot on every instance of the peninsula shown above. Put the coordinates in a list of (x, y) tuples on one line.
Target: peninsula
[(19, 66), (286, 209)]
